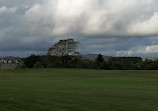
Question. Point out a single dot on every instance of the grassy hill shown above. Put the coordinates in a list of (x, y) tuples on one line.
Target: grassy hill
[(78, 90)]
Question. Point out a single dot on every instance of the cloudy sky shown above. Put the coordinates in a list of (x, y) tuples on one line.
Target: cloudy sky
[(110, 27)]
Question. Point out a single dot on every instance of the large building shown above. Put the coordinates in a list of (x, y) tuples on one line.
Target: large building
[(10, 63)]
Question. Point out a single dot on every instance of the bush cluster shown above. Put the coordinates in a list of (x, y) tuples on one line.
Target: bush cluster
[(113, 63)]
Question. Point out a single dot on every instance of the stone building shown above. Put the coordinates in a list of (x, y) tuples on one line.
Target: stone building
[(10, 63)]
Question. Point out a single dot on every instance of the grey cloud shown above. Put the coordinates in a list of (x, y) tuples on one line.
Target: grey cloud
[(5, 10), (112, 27), (90, 17)]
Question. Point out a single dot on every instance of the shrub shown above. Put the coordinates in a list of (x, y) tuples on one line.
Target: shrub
[(38, 65), (23, 66)]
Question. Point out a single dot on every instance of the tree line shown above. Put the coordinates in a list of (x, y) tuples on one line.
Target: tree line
[(63, 54)]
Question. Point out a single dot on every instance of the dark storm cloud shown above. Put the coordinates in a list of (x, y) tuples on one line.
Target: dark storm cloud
[(112, 27)]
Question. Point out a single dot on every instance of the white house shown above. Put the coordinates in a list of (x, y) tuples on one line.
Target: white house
[(10, 63)]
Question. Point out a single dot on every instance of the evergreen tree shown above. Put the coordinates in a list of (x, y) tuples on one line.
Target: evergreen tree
[(99, 59)]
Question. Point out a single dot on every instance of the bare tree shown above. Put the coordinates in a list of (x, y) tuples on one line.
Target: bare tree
[(63, 49)]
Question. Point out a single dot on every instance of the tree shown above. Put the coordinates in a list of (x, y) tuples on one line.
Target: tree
[(64, 49), (53, 62), (31, 60), (99, 59)]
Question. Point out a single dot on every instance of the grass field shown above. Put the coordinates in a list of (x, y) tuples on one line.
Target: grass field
[(78, 90)]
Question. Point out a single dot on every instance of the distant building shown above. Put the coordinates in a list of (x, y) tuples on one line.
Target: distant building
[(10, 63), (150, 59)]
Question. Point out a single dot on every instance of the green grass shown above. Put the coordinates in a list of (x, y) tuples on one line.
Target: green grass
[(78, 90)]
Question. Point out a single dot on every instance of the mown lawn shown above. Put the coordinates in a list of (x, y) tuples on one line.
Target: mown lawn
[(78, 90)]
